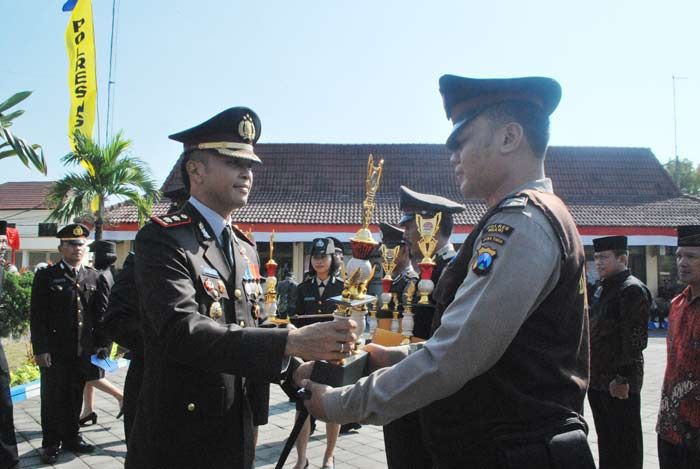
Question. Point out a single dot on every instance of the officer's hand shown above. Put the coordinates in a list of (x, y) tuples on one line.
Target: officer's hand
[(102, 353), (315, 404), (382, 357), (333, 340), (619, 391), (43, 360), (303, 372)]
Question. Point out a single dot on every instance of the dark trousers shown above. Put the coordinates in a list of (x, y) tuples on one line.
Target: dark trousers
[(61, 401), (8, 443), (619, 427), (676, 456), (132, 388), (403, 441)]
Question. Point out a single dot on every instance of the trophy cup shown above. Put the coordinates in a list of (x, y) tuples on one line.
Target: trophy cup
[(427, 228), (354, 300), (388, 264), (407, 322), (270, 305), (395, 313)]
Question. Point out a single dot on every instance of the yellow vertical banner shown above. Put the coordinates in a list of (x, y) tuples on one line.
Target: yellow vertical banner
[(82, 75)]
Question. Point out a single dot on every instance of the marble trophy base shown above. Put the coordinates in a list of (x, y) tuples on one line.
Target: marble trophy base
[(336, 375)]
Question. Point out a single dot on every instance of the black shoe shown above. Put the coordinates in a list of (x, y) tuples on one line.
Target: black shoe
[(91, 417), (78, 445), (348, 427), (121, 412), (49, 454)]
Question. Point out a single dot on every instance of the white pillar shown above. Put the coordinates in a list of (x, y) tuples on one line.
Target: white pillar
[(298, 261), (652, 262)]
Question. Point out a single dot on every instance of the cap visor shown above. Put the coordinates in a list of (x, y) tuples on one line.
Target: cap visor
[(243, 154)]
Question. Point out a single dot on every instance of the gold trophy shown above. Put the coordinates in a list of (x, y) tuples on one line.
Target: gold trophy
[(388, 264), (407, 322), (359, 271), (427, 228), (354, 300), (270, 305)]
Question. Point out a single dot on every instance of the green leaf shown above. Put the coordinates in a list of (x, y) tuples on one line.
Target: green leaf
[(14, 99)]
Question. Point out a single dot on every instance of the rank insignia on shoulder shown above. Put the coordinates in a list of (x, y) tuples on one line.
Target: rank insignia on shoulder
[(499, 228), (484, 260), (493, 239), (244, 236), (171, 220), (514, 202)]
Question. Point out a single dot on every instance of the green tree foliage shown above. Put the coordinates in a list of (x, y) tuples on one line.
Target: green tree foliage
[(107, 172), (688, 175), (14, 304), (11, 145)]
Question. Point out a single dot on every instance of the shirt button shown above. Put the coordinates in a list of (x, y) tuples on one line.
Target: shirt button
[(191, 407), (237, 293), (320, 302), (242, 323)]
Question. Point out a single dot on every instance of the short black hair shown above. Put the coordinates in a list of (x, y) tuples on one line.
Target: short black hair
[(332, 271), (534, 121), (191, 155)]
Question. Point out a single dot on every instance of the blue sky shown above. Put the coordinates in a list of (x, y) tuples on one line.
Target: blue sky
[(356, 72)]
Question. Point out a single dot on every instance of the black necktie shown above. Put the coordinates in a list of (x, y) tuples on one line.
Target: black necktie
[(321, 288), (227, 241)]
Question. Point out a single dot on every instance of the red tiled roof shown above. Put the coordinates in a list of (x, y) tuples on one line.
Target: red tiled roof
[(324, 184), (24, 195)]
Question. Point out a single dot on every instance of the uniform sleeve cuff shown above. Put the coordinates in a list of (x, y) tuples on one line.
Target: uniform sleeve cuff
[(333, 407)]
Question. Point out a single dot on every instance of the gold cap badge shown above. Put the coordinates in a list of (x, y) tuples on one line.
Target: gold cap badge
[(246, 128), (77, 231)]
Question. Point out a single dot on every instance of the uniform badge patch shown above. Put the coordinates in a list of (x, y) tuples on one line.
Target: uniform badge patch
[(493, 239), (499, 228), (484, 260)]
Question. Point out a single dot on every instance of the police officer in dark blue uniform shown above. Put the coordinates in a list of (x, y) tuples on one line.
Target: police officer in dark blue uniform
[(61, 297)]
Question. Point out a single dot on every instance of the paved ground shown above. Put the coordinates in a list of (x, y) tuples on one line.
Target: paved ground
[(364, 449)]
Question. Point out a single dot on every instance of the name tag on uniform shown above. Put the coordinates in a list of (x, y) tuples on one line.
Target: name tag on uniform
[(58, 280), (209, 272), (309, 298)]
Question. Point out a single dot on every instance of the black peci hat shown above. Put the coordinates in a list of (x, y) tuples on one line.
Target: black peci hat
[(610, 243), (465, 98), (105, 247), (232, 132), (689, 235)]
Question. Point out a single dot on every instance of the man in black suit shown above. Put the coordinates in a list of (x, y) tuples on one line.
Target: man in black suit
[(206, 364), (61, 296)]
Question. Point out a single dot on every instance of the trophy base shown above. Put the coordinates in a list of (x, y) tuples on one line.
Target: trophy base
[(349, 372)]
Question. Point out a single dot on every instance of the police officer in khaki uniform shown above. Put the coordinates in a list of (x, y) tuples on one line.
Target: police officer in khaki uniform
[(501, 382), (414, 203), (61, 297), (207, 367)]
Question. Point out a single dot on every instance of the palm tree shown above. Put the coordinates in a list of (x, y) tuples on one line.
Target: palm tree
[(109, 172), (13, 145)]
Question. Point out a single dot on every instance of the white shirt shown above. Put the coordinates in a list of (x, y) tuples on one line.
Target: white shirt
[(215, 221)]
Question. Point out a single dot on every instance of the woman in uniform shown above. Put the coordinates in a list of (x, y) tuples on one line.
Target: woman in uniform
[(312, 298)]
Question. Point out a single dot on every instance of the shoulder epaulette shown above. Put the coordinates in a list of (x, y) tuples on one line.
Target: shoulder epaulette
[(172, 219), (242, 235), (514, 202)]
